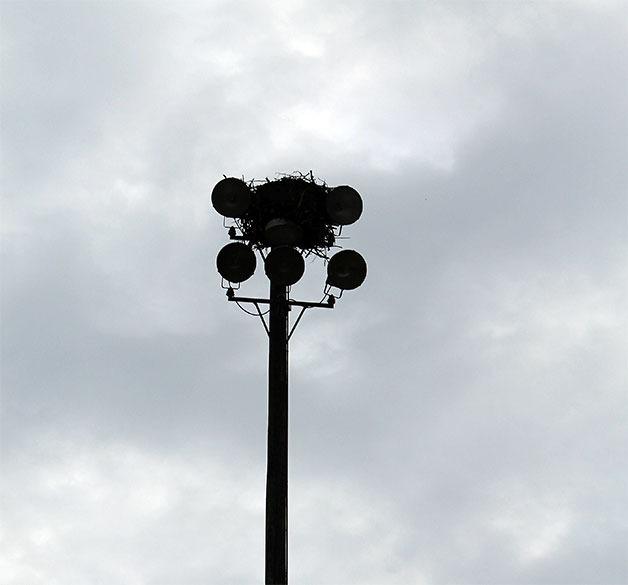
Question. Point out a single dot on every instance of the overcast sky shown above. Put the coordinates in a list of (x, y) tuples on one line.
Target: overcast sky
[(460, 418)]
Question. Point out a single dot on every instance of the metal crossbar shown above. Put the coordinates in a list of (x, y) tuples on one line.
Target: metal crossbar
[(308, 305), (303, 304)]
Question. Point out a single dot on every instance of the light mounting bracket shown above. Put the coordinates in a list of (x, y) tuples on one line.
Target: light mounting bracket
[(329, 304)]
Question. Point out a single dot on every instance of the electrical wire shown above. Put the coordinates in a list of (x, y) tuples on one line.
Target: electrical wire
[(249, 312)]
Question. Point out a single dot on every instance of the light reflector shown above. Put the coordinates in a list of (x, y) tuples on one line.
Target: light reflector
[(231, 197), (344, 205), (282, 232), (236, 262), (284, 265), (346, 270)]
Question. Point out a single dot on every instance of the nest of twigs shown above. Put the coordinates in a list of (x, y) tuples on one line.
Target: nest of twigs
[(297, 198)]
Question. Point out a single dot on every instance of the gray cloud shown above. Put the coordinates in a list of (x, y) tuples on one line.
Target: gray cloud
[(457, 419)]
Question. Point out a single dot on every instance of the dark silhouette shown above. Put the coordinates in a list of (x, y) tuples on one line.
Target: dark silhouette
[(284, 220)]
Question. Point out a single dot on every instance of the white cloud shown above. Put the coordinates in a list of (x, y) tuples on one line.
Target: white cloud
[(77, 509)]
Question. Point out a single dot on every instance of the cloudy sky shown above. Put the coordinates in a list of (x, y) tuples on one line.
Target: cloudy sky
[(461, 418)]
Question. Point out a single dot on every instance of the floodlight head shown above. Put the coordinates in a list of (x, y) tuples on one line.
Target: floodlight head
[(284, 265), (346, 270), (343, 205), (231, 197), (236, 262), (282, 232)]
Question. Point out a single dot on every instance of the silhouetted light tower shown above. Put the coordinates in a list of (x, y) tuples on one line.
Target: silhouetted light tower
[(284, 220)]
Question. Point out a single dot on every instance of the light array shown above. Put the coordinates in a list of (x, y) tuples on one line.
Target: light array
[(286, 219)]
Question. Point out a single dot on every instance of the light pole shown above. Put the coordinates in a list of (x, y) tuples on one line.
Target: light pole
[(284, 220), (277, 446)]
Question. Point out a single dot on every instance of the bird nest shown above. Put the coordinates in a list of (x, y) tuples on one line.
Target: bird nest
[(298, 199)]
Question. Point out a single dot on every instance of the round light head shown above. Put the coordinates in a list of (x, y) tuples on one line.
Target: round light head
[(236, 262), (284, 265), (231, 197), (346, 270), (344, 205), (281, 232)]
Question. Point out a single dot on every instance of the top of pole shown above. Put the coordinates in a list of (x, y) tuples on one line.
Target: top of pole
[(286, 219)]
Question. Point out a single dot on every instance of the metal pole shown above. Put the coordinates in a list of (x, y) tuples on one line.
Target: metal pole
[(277, 462)]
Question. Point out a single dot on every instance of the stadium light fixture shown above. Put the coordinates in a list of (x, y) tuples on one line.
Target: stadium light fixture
[(284, 220)]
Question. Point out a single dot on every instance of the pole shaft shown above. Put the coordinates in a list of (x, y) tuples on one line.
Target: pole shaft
[(277, 462)]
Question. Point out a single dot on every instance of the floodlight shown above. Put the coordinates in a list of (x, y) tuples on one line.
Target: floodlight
[(284, 265), (231, 197), (236, 262), (346, 270), (344, 205), (282, 232)]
